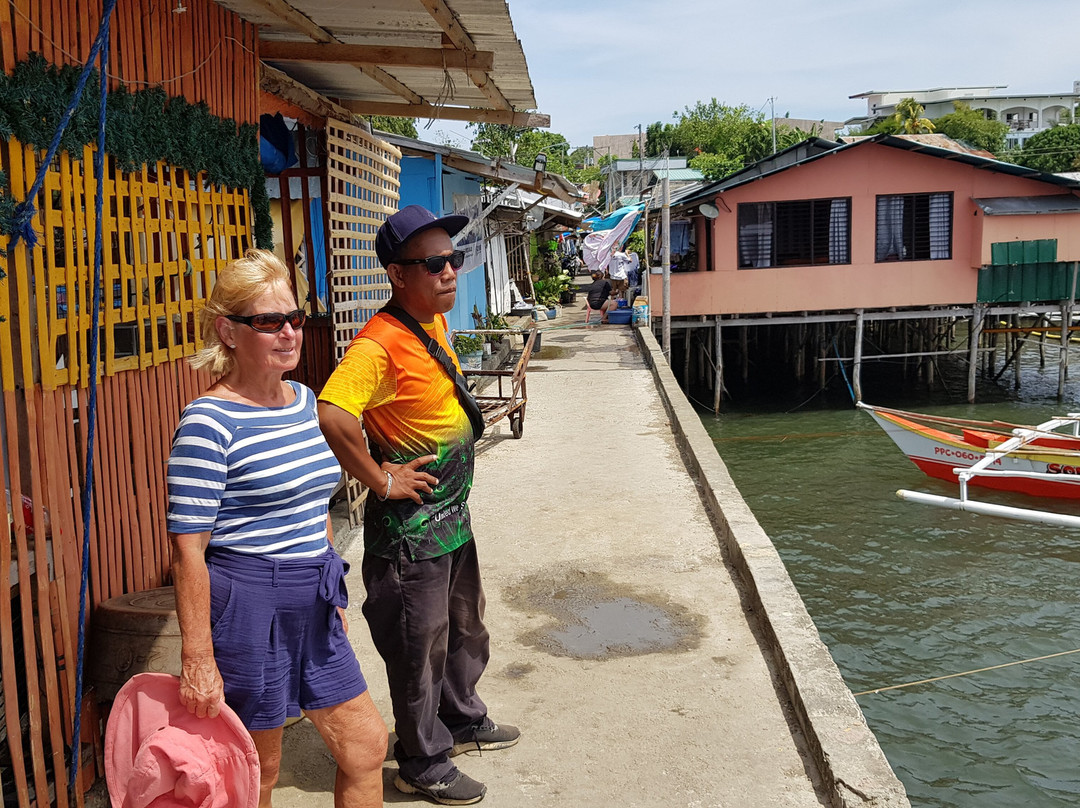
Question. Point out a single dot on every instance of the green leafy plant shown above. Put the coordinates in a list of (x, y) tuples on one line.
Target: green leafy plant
[(465, 344), (494, 322), (141, 127), (547, 290), (550, 279)]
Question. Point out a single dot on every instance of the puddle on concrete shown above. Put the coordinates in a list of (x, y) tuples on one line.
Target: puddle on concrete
[(595, 618), (553, 352)]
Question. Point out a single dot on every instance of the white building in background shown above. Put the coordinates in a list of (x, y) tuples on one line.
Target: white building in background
[(1025, 115)]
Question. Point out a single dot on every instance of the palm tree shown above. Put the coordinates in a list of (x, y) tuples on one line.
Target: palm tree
[(909, 116)]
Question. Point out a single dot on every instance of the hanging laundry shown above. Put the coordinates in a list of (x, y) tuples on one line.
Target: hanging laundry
[(601, 244)]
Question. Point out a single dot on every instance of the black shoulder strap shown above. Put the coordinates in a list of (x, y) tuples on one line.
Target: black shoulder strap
[(438, 353)]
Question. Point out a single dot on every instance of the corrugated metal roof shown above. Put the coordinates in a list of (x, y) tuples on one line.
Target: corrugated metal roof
[(932, 139), (680, 175), (770, 165), (1021, 205), (487, 68), (543, 182)]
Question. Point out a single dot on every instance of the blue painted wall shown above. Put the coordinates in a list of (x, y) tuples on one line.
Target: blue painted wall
[(425, 182), (471, 288), (420, 182)]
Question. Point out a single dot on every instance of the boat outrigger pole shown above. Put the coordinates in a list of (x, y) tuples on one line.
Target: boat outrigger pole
[(1021, 437), (990, 509)]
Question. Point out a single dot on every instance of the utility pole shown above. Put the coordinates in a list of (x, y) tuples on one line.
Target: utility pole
[(772, 121), (640, 160), (667, 258)]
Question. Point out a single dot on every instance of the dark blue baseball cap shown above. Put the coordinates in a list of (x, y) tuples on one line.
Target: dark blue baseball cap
[(405, 224)]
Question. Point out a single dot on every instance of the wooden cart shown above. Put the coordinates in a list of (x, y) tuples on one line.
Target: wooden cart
[(510, 399)]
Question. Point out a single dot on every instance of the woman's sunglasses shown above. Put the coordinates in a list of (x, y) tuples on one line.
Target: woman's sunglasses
[(437, 263), (272, 321)]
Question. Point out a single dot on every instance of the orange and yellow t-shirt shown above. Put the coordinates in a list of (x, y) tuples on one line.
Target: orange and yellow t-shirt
[(410, 408)]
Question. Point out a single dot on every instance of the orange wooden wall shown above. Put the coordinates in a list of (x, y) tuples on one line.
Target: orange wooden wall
[(205, 53), (166, 234)]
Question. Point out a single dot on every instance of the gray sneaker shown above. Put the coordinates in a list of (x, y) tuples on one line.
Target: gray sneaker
[(457, 788), (485, 735)]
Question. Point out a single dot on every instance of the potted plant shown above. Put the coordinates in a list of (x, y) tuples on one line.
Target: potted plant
[(494, 322), (470, 350)]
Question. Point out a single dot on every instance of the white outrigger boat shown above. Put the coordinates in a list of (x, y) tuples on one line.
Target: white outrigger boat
[(1040, 461)]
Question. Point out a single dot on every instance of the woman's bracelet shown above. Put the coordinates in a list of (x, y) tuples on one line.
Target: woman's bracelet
[(389, 484)]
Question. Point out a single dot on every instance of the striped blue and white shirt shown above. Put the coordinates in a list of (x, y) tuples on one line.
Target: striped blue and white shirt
[(258, 479)]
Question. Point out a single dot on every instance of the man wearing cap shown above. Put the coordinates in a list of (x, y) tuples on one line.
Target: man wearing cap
[(425, 600)]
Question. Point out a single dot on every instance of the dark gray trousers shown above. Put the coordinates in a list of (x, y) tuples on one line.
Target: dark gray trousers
[(427, 622)]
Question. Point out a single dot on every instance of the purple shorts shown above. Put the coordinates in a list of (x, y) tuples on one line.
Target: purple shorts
[(278, 639)]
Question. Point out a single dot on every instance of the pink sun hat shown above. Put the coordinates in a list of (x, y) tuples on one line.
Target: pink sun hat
[(158, 755)]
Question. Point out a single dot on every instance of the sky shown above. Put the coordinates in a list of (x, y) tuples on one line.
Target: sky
[(601, 67)]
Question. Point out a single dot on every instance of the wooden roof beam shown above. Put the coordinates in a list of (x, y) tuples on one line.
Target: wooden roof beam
[(461, 40), (319, 34), (510, 117), (296, 19), (390, 83), (384, 55), (285, 87)]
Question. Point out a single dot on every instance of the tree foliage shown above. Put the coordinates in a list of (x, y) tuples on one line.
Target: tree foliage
[(719, 139), (498, 140), (1056, 149), (972, 127), (394, 125), (909, 115), (520, 145)]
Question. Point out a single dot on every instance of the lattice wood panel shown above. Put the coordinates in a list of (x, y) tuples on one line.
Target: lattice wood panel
[(363, 176), (363, 179), (166, 234)]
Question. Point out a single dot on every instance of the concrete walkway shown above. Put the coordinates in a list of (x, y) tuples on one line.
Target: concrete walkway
[(627, 643)]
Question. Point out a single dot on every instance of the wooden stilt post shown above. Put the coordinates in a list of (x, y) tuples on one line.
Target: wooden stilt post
[(800, 349), (686, 358), (718, 368), (974, 336), (856, 372), (1066, 322), (823, 351), (702, 356), (1018, 342), (744, 346), (931, 343), (905, 331)]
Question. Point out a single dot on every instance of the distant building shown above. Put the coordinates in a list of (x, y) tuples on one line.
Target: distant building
[(616, 145), (1025, 115), (825, 129), (624, 180)]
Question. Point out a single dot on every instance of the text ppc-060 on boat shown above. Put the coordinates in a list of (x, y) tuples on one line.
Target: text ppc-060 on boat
[(1039, 461)]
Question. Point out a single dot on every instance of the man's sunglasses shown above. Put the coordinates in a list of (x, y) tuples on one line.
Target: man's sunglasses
[(272, 321), (437, 263)]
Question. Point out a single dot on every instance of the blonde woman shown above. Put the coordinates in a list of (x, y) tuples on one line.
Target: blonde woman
[(259, 587)]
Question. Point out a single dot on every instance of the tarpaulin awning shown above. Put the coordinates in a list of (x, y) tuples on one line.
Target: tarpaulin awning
[(614, 218)]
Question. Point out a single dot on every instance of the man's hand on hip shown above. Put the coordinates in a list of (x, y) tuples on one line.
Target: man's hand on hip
[(408, 481)]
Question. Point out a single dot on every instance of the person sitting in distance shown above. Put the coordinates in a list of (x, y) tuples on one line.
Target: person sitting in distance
[(598, 294)]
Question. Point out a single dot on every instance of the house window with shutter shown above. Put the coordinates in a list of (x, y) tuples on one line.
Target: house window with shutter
[(914, 227), (802, 232)]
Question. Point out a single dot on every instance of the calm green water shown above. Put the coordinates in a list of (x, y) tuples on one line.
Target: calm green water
[(902, 592)]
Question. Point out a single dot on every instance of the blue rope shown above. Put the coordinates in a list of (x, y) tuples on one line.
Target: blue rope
[(843, 372), (99, 49), (22, 224)]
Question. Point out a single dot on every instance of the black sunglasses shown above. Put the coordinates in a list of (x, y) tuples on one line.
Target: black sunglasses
[(437, 263), (272, 321)]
